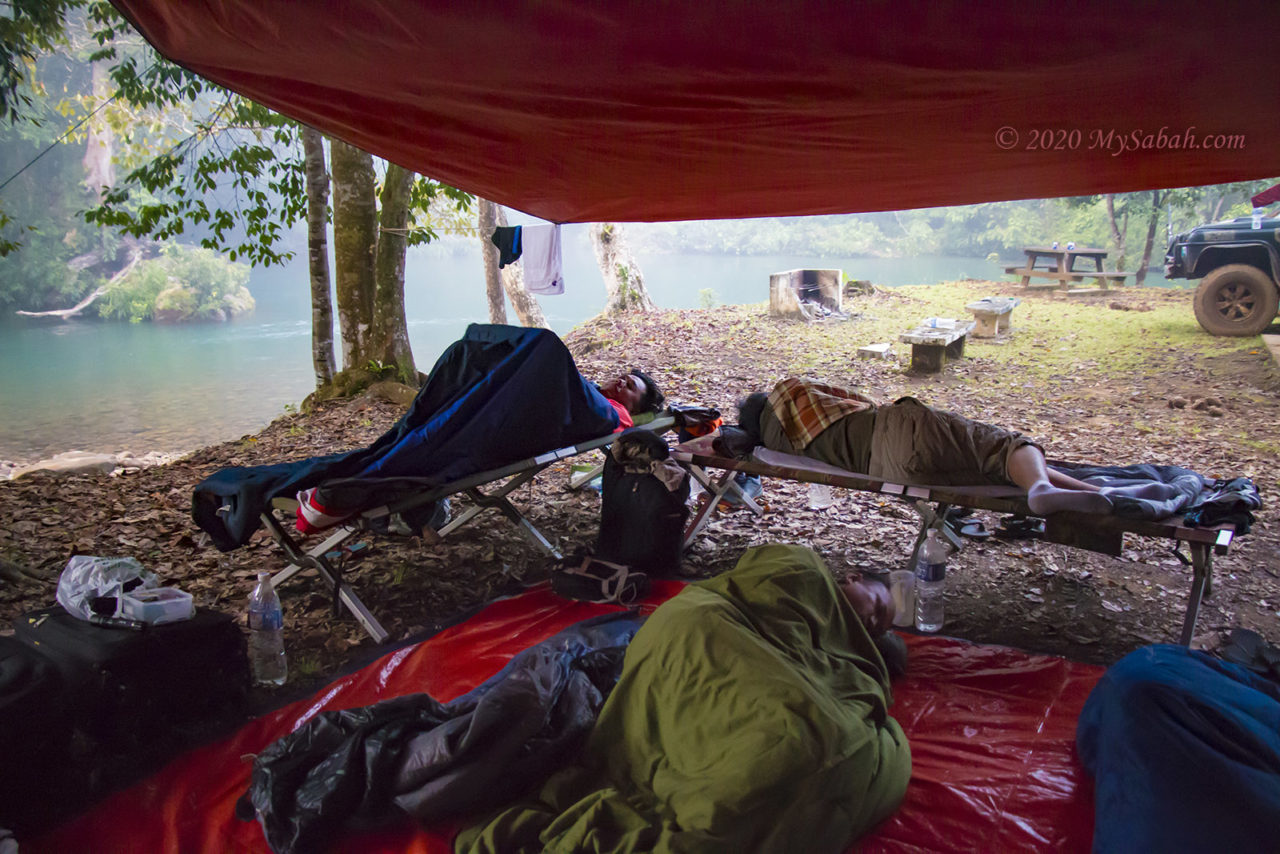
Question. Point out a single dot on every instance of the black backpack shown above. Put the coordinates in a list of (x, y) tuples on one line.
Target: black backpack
[(642, 518)]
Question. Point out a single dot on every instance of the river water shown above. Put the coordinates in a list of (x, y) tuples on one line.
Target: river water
[(112, 387)]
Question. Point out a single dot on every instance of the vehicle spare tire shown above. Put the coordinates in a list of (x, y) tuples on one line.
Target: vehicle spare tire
[(1236, 300)]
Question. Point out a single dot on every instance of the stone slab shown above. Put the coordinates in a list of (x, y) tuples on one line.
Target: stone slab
[(874, 351)]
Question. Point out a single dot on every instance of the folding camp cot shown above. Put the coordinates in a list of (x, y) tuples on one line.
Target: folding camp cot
[(413, 493), (1098, 533)]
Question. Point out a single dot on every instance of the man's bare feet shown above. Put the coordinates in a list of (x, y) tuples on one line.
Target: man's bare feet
[(1044, 499)]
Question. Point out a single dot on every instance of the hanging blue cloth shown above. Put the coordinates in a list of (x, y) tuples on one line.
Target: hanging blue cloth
[(507, 239)]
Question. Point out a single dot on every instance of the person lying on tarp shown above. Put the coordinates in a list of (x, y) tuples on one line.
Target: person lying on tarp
[(752, 714), (909, 442), (1184, 750), (747, 713), (499, 395)]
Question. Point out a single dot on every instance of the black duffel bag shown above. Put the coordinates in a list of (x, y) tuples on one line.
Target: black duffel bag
[(645, 506)]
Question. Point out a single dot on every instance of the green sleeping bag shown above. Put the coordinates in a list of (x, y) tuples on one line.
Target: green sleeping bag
[(751, 716)]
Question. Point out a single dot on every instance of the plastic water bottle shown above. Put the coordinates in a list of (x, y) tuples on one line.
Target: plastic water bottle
[(931, 583), (266, 634), (1257, 218)]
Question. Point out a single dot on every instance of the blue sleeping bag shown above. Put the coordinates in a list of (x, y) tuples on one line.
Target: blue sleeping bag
[(499, 395), (1185, 754)]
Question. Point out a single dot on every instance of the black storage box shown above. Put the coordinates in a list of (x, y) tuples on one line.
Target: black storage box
[(35, 733), (127, 687)]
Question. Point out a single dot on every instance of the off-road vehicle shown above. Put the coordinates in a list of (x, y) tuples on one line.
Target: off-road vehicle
[(1239, 262)]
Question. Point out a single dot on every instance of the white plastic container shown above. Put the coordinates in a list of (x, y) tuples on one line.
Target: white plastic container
[(157, 605)]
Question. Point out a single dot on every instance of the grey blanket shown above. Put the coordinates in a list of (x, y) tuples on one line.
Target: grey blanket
[(360, 768), (1201, 500)]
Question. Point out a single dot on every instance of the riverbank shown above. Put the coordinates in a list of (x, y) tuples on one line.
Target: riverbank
[(1094, 382), (84, 462)]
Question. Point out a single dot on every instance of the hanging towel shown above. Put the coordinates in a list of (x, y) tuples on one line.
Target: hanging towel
[(542, 274), (507, 239)]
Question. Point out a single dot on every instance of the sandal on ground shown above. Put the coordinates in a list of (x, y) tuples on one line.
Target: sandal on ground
[(973, 530), (1020, 528)]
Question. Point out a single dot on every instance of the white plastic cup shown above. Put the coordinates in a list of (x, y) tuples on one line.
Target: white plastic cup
[(902, 587), (820, 496)]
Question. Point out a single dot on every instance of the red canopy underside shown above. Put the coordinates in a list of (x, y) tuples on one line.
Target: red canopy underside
[(1269, 196), (659, 111), (992, 733)]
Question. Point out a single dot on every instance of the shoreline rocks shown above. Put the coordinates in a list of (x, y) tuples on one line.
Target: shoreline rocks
[(85, 462)]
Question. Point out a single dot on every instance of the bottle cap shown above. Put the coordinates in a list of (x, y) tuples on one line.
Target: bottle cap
[(264, 576)]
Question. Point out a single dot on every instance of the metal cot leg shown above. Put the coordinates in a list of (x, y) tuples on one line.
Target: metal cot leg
[(1201, 586), (316, 560), (715, 490)]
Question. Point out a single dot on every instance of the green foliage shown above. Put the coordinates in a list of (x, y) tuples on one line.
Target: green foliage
[(1001, 229), (191, 282), (134, 297), (707, 298), (28, 29)]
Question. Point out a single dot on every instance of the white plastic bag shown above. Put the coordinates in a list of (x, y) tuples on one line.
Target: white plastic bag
[(87, 578)]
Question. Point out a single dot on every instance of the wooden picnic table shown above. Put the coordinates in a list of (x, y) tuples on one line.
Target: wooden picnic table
[(1059, 267)]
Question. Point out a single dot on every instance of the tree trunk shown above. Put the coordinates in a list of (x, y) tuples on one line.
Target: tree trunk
[(355, 239), (1119, 233), (99, 152), (390, 340), (1217, 208), (318, 256), (486, 220), (1141, 274), (135, 255), (623, 281)]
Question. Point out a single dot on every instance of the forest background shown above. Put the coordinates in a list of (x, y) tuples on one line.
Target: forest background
[(122, 173)]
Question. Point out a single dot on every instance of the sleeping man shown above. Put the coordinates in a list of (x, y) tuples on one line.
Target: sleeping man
[(752, 714), (498, 395), (909, 442)]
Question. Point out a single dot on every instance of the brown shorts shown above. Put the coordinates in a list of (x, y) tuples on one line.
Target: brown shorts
[(915, 443)]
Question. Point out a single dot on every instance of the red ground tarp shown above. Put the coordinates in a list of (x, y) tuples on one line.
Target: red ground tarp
[(991, 729), (619, 110)]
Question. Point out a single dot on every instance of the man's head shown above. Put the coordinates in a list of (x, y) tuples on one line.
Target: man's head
[(749, 409), (869, 595), (636, 391)]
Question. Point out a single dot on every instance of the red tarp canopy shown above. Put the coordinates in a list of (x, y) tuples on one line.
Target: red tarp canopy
[(1268, 196), (632, 111)]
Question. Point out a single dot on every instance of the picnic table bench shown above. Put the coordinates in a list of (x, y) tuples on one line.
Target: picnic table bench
[(932, 346), (1059, 267), (992, 315)]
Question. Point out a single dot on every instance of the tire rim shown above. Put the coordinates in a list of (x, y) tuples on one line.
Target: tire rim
[(1236, 302)]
